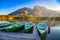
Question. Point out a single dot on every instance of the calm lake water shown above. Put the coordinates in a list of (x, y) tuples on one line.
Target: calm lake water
[(54, 33)]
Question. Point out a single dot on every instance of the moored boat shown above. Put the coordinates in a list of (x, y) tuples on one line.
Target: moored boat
[(28, 27), (42, 29), (14, 27), (5, 25)]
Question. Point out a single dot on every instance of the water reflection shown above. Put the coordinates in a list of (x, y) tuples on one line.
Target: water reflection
[(48, 30), (54, 34)]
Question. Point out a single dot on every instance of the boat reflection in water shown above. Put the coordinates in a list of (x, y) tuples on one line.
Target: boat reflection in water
[(48, 30)]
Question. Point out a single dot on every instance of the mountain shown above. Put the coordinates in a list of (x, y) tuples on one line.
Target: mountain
[(20, 11), (37, 11), (44, 11), (58, 11)]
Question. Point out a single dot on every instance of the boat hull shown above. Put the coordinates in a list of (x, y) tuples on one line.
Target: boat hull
[(13, 29), (29, 27), (29, 30), (1, 26), (42, 34)]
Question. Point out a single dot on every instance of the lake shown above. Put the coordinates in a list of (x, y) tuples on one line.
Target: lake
[(53, 35)]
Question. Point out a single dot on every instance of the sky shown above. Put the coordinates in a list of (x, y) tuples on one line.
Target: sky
[(8, 6)]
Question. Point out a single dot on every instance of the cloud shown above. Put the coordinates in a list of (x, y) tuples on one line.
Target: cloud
[(55, 5), (57, 8)]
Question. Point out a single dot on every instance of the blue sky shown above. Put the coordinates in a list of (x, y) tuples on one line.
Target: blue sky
[(8, 6)]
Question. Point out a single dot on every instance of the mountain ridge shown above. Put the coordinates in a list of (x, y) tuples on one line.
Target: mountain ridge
[(38, 9)]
